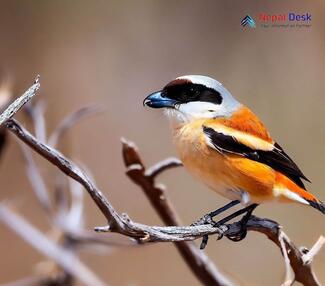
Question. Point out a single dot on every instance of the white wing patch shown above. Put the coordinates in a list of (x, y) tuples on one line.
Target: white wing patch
[(208, 140), (244, 138)]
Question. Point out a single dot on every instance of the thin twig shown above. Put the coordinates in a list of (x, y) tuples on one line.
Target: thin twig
[(303, 272), (19, 102), (67, 167), (204, 269), (36, 113), (289, 276), (36, 180), (75, 217), (49, 248), (70, 120), (162, 166), (309, 256)]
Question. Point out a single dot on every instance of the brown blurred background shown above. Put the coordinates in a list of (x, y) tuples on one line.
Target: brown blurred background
[(116, 52)]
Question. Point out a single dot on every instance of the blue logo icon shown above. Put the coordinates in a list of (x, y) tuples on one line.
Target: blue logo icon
[(248, 21)]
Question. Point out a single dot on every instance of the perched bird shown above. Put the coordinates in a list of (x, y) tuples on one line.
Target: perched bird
[(224, 144)]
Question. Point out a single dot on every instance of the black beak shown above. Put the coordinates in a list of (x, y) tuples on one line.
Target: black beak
[(156, 100)]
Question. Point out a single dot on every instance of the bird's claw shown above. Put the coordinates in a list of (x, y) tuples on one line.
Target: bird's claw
[(207, 219), (204, 241), (241, 234)]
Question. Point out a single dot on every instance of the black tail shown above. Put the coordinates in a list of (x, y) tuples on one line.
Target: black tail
[(317, 205)]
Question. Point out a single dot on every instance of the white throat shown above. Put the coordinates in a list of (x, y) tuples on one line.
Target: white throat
[(187, 112)]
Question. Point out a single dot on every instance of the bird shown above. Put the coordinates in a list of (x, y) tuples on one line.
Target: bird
[(222, 143)]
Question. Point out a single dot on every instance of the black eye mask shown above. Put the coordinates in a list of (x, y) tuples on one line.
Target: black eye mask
[(188, 92)]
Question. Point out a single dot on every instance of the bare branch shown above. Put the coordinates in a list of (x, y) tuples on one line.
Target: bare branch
[(303, 272), (36, 180), (72, 219), (120, 224), (75, 216), (67, 167), (67, 260), (142, 233), (290, 276), (12, 109), (309, 256), (81, 236), (162, 166), (71, 120), (199, 263), (36, 113)]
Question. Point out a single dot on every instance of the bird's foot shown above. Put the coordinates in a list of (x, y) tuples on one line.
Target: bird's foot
[(206, 219), (204, 241), (242, 233), (239, 235)]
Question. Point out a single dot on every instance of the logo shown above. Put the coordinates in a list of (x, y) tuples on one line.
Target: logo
[(291, 17), (278, 20), (248, 21)]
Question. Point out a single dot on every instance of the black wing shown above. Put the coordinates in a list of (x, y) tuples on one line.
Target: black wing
[(276, 158)]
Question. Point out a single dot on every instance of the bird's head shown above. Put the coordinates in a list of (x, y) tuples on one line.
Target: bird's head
[(194, 97)]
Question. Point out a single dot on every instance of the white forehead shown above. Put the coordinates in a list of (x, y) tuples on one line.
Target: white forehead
[(201, 79), (208, 82)]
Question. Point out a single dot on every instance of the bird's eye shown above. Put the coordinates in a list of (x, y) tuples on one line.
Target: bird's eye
[(192, 93)]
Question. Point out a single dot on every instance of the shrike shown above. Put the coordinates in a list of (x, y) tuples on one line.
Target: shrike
[(225, 145)]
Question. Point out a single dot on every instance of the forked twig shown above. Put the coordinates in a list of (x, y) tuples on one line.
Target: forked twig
[(199, 263)]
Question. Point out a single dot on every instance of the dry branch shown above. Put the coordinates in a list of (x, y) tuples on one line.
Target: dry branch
[(66, 222), (36, 113), (199, 263), (19, 102), (71, 120), (142, 233), (48, 247), (36, 180)]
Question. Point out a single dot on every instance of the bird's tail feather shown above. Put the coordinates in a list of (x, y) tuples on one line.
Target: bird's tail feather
[(318, 205), (293, 192), (311, 200)]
